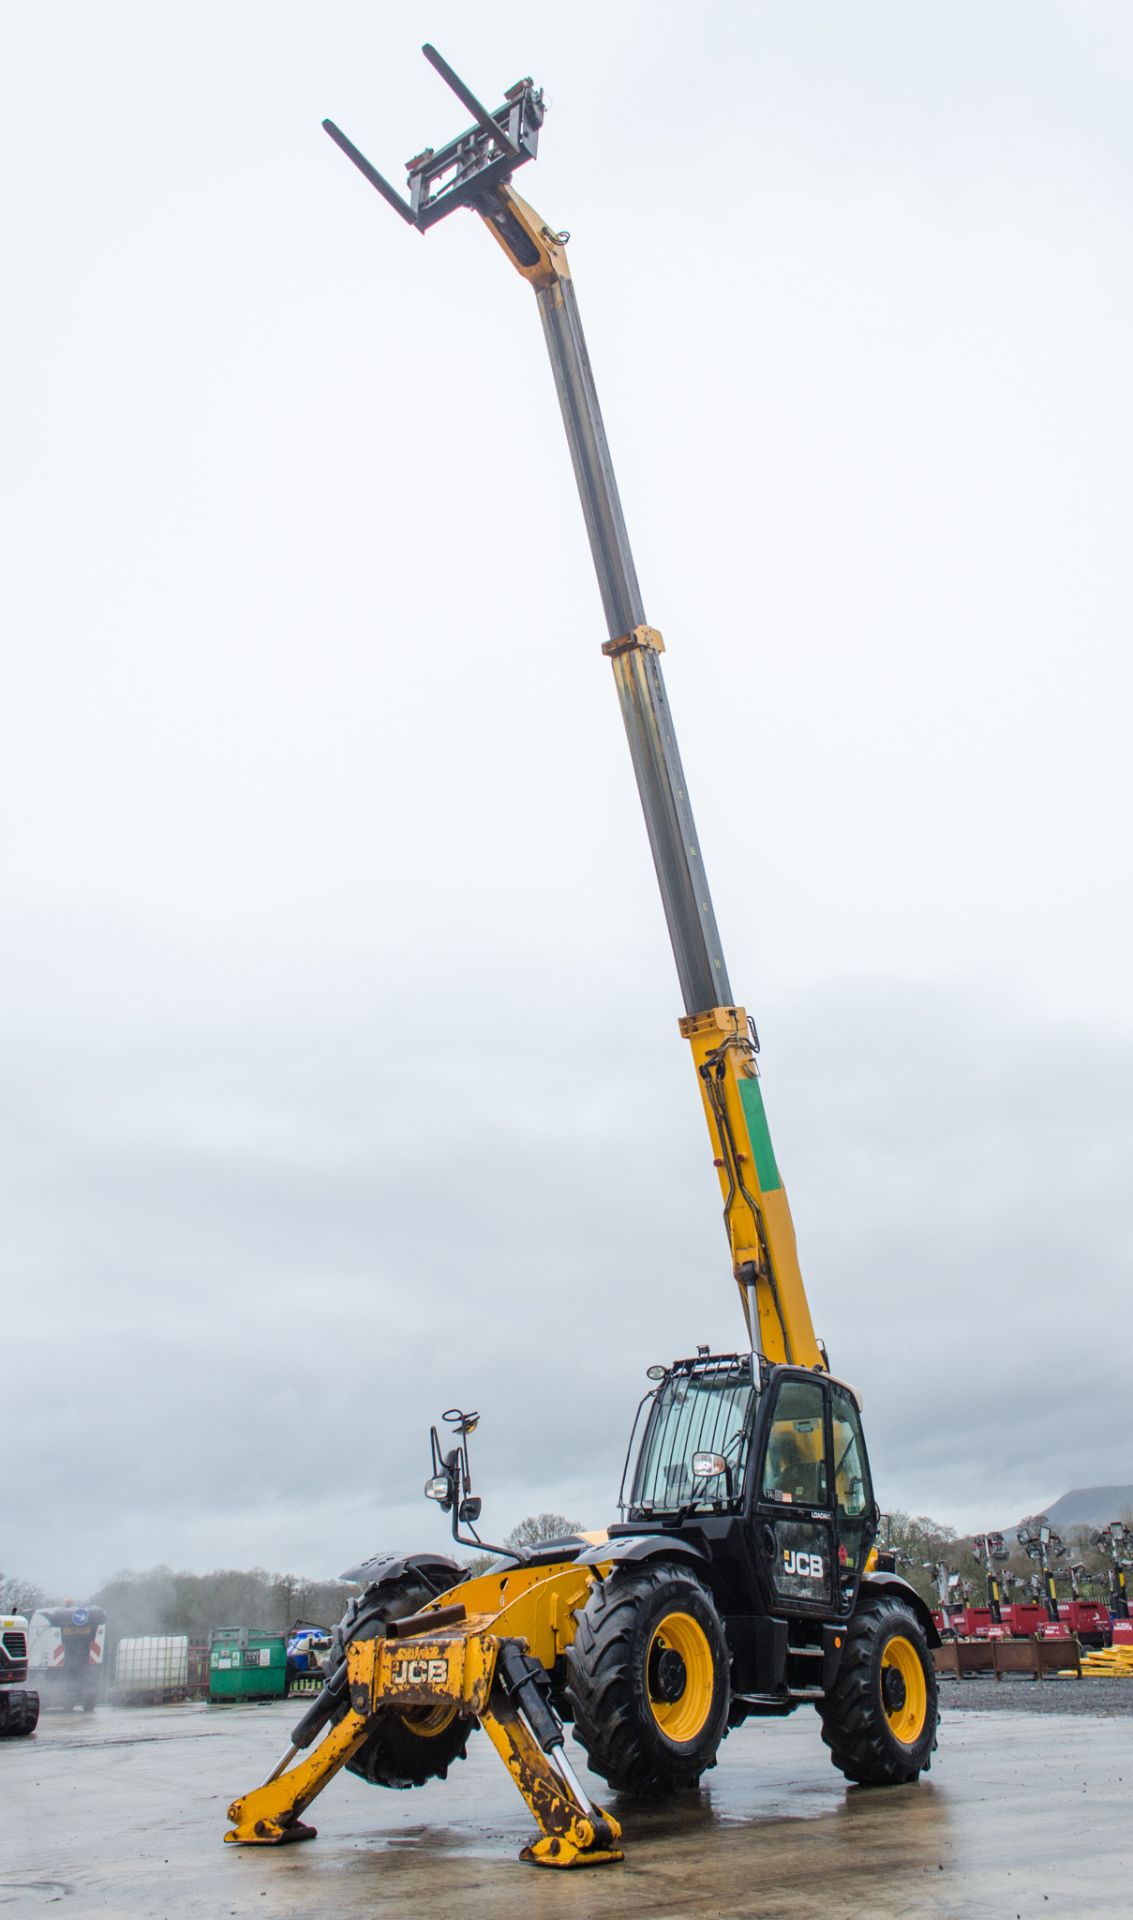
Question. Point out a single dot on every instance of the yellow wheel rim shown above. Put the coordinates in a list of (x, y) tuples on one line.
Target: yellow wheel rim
[(680, 1678), (427, 1722), (905, 1696)]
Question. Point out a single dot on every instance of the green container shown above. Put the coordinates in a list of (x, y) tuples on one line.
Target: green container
[(245, 1664)]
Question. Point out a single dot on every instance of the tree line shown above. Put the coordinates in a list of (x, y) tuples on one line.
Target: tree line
[(159, 1600)]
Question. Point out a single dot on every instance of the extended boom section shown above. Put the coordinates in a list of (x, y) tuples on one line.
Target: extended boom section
[(475, 171)]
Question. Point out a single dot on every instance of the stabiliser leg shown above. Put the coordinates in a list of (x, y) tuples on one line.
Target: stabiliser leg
[(486, 1677), (527, 1734), (268, 1816)]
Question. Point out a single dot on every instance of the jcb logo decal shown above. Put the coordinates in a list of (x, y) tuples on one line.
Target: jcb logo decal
[(420, 1673), (809, 1565)]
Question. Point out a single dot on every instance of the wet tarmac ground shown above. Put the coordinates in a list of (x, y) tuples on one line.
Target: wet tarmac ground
[(1026, 1815)]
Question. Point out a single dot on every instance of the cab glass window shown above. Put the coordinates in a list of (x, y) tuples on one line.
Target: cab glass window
[(704, 1411), (852, 1490), (853, 1494), (794, 1467)]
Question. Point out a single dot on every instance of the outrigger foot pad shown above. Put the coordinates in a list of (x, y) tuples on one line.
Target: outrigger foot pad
[(268, 1834), (555, 1851)]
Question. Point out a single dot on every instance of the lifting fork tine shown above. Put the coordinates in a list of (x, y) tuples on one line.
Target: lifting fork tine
[(372, 175), (468, 99)]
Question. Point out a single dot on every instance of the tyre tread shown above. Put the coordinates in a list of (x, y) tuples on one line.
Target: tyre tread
[(19, 1713), (853, 1723), (600, 1686)]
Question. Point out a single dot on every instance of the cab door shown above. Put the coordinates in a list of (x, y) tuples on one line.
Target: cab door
[(793, 1514), (855, 1513)]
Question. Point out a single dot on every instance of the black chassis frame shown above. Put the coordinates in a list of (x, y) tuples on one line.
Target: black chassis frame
[(782, 1655)]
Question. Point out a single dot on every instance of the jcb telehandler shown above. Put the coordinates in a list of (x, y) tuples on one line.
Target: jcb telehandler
[(739, 1580)]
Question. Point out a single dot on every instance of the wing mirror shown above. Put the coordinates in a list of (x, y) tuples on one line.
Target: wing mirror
[(450, 1483)]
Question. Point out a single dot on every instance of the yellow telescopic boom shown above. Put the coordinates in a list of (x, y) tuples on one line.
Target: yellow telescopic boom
[(475, 171)]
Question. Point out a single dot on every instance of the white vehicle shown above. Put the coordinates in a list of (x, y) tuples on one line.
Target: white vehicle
[(19, 1708), (65, 1648)]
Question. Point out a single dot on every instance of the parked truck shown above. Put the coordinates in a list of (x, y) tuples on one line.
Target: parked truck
[(19, 1705), (66, 1645)]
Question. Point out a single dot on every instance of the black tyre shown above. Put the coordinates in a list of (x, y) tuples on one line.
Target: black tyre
[(879, 1719), (420, 1744), (648, 1681), (407, 1749), (19, 1713)]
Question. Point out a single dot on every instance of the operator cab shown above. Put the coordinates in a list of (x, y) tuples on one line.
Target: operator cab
[(789, 1462)]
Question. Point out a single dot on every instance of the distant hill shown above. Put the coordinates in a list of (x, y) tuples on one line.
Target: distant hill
[(1090, 1507)]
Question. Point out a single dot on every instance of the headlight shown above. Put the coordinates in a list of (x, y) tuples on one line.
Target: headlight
[(706, 1466), (438, 1488)]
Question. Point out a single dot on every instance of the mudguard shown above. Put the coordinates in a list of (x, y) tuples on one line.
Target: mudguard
[(439, 1570), (643, 1546), (901, 1590)]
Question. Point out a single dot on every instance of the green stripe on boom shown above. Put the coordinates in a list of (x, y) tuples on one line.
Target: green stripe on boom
[(751, 1099)]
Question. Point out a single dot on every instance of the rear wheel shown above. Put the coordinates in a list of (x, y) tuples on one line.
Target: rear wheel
[(647, 1677), (419, 1744), (408, 1749), (879, 1718)]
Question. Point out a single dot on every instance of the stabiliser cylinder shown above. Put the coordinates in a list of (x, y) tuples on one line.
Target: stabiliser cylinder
[(321, 1708), (528, 1685)]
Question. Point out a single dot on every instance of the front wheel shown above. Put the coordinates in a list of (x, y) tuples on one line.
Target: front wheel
[(648, 1680), (879, 1718)]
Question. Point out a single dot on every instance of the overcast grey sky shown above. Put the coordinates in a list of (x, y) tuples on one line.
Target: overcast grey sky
[(341, 1072)]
